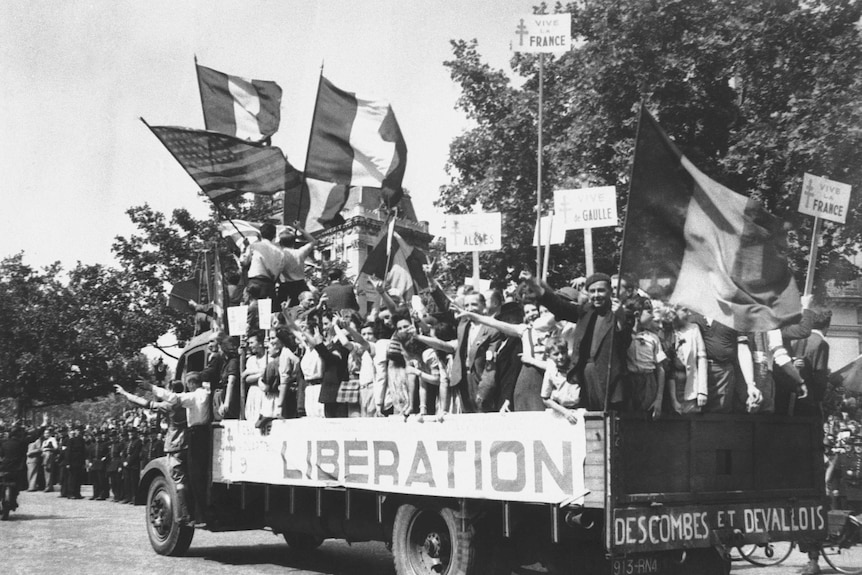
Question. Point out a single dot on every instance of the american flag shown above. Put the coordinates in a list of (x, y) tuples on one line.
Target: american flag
[(224, 166)]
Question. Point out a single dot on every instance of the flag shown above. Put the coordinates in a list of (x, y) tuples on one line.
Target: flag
[(355, 141), (217, 294), (183, 292), (705, 246), (318, 204), (849, 377), (224, 166), (245, 109), (240, 230), (397, 262)]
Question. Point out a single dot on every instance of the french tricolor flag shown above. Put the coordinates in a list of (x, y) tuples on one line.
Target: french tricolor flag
[(355, 141), (246, 109)]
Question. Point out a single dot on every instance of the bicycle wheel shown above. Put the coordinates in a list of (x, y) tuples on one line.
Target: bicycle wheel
[(842, 558), (739, 553), (769, 554)]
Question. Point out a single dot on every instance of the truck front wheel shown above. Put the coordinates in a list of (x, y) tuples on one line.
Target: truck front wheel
[(167, 536), (430, 540)]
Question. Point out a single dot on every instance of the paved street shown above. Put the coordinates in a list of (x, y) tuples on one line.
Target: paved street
[(60, 536)]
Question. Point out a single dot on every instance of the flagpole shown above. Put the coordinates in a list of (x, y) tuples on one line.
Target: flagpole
[(620, 266), (812, 255), (631, 175), (304, 184), (539, 171), (200, 91)]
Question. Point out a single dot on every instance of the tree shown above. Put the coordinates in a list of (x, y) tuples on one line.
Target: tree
[(754, 93), (169, 250), (66, 338)]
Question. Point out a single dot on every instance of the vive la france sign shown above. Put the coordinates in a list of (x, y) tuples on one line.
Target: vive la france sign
[(539, 33), (824, 198)]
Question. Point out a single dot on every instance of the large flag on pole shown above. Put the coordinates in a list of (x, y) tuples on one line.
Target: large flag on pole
[(224, 166), (355, 141), (239, 107), (707, 247), (397, 262)]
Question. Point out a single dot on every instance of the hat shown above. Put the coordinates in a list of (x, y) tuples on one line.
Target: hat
[(597, 277), (568, 293), (511, 312)]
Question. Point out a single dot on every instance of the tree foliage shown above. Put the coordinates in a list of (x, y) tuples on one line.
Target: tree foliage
[(754, 93), (67, 337)]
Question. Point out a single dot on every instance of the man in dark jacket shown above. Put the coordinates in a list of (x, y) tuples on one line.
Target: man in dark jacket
[(97, 458), (601, 339), (13, 458), (131, 465), (76, 456)]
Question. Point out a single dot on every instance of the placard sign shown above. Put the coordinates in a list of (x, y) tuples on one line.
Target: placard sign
[(264, 313), (237, 319), (824, 198), (473, 232), (555, 225), (536, 33), (587, 208)]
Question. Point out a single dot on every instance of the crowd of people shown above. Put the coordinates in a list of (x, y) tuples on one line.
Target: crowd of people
[(108, 456), (598, 344)]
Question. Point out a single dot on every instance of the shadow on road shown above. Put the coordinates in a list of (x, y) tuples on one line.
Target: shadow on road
[(25, 517), (330, 559)]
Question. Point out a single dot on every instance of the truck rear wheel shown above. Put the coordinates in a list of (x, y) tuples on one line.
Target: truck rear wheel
[(302, 542), (430, 541), (707, 561), (166, 535)]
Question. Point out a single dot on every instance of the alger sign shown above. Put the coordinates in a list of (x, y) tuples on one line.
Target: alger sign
[(543, 33)]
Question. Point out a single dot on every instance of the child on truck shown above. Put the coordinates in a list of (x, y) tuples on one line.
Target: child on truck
[(645, 361), (559, 393)]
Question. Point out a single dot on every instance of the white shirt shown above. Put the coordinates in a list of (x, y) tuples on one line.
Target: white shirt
[(197, 403), (267, 259), (293, 268)]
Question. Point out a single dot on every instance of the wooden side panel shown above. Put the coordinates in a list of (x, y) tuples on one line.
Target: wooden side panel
[(712, 458), (594, 465)]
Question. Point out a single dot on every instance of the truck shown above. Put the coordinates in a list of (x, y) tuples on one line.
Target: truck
[(615, 494)]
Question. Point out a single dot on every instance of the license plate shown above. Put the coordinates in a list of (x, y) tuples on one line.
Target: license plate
[(641, 565)]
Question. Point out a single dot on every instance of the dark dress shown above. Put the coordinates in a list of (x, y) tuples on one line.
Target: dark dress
[(528, 387)]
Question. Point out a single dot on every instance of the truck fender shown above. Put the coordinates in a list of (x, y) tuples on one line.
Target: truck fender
[(154, 468)]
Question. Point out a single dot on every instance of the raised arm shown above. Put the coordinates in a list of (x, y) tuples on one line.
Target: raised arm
[(507, 329)]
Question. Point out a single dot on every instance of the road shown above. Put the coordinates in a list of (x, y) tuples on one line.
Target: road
[(61, 536)]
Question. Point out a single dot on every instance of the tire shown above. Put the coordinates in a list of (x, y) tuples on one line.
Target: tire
[(166, 535), (429, 540), (705, 562), (302, 542), (772, 553), (843, 559)]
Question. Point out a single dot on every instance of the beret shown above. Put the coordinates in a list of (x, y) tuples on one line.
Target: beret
[(597, 277)]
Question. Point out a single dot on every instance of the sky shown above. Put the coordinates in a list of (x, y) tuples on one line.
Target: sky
[(79, 75)]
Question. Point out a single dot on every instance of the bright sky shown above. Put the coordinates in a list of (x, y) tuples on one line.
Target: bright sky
[(78, 75)]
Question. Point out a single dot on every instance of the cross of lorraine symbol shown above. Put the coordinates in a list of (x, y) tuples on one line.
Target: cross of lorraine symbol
[(521, 31), (809, 193)]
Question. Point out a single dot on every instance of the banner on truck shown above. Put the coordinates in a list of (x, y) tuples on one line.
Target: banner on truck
[(656, 528), (530, 457)]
